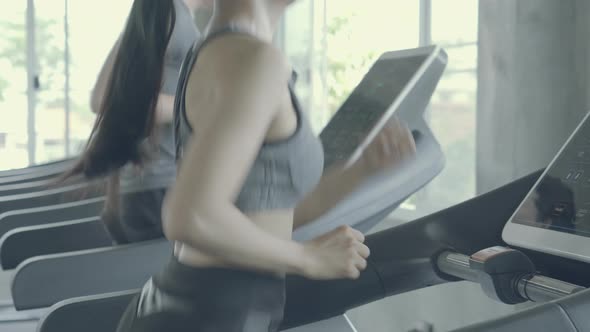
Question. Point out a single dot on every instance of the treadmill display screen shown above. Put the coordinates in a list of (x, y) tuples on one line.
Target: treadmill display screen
[(561, 200), (364, 107)]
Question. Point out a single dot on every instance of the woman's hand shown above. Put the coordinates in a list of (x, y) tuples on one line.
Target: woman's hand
[(391, 147), (336, 255)]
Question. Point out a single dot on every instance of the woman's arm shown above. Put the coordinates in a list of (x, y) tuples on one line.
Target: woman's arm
[(336, 183), (393, 146), (164, 107), (199, 210)]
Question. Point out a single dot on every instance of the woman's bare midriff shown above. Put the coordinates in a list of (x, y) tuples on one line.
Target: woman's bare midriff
[(276, 222)]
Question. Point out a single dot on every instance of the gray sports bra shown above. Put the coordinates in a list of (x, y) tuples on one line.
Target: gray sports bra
[(283, 172)]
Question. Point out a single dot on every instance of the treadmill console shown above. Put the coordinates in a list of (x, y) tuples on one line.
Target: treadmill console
[(555, 215)]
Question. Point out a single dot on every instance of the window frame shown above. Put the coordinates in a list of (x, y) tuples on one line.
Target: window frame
[(33, 76)]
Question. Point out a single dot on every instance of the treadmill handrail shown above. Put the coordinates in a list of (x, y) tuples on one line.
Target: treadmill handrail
[(38, 184), (22, 243), (49, 172), (532, 287), (107, 268), (61, 312), (46, 192), (37, 167), (49, 207), (50, 214), (50, 197)]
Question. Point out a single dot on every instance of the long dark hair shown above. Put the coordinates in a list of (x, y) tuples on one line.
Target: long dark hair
[(125, 122)]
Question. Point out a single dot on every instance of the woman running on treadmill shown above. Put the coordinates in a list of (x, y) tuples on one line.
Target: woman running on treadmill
[(251, 171), (135, 194)]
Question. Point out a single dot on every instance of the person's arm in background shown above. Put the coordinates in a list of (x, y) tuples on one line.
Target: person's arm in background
[(164, 109), (393, 145)]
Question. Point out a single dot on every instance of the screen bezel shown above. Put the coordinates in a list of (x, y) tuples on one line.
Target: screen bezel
[(548, 240), (433, 53)]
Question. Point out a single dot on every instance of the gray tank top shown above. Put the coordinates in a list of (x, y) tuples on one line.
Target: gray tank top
[(283, 171), (160, 171)]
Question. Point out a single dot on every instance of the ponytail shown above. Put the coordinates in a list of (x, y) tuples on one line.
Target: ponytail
[(124, 127)]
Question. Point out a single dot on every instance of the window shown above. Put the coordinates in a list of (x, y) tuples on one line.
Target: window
[(13, 85), (50, 55), (94, 27), (332, 43), (50, 104), (61, 45), (453, 105)]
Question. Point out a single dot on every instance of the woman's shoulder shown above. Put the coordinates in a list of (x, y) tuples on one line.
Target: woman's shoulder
[(238, 55)]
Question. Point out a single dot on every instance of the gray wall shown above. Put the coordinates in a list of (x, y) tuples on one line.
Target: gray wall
[(533, 84)]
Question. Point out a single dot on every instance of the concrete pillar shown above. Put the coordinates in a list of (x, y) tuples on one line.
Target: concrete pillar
[(534, 81)]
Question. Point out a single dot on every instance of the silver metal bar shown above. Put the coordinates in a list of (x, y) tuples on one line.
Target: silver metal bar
[(542, 289), (456, 265), (33, 78), (67, 102), (536, 288), (425, 32)]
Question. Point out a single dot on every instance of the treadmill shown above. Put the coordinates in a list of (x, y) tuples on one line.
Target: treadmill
[(471, 241), (463, 242)]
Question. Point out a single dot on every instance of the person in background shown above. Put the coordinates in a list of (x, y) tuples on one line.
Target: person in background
[(142, 152)]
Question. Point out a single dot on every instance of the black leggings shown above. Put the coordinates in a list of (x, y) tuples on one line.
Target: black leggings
[(184, 298)]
